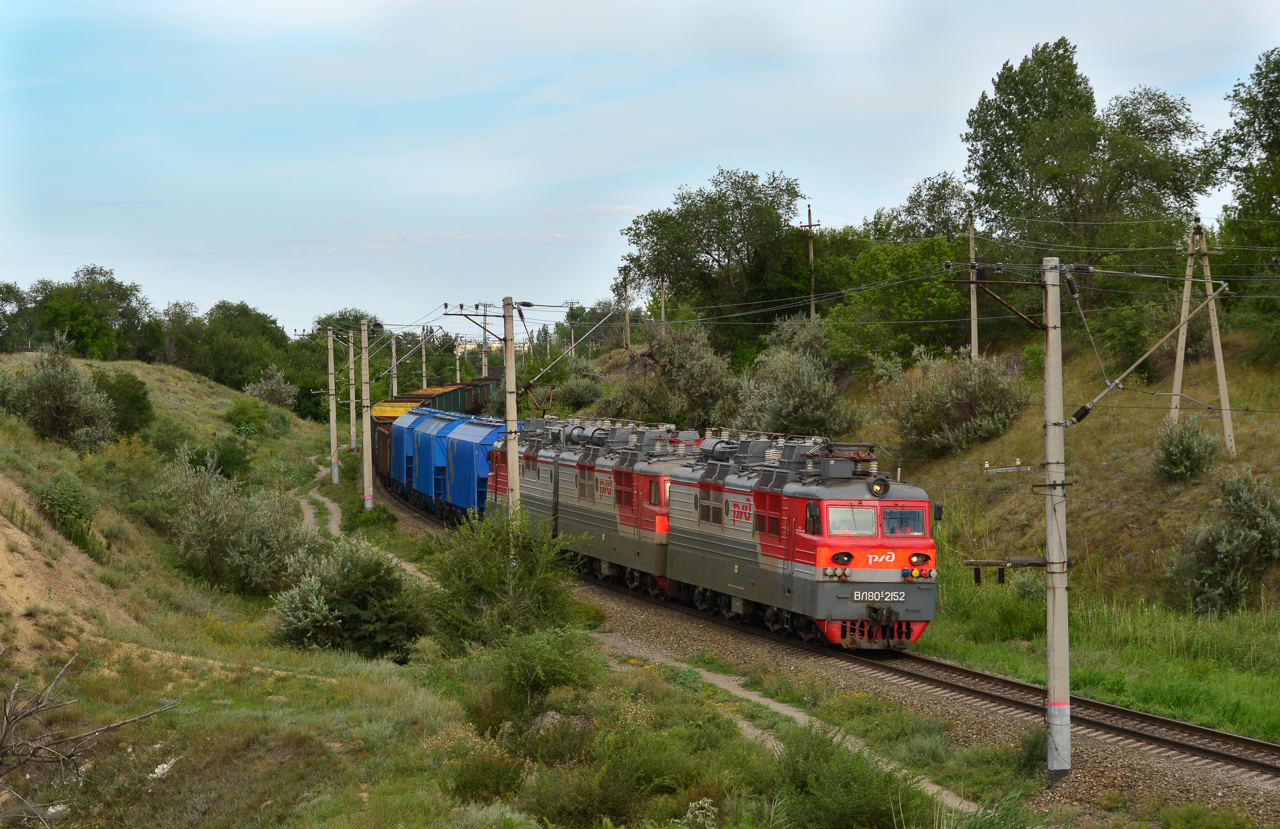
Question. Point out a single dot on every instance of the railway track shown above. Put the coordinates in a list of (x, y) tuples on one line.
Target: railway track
[(1102, 719)]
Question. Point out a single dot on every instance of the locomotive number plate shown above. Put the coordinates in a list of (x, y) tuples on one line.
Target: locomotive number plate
[(880, 595)]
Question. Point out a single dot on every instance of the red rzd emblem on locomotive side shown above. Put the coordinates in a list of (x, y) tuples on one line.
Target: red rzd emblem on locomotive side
[(604, 487), (740, 512)]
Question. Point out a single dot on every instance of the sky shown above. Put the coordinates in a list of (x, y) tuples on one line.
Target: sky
[(394, 156)]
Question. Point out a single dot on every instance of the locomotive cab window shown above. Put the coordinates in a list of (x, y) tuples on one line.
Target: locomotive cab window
[(654, 497), (904, 522), (812, 519), (851, 520)]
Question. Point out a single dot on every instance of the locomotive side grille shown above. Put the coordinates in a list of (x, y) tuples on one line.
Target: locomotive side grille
[(586, 484)]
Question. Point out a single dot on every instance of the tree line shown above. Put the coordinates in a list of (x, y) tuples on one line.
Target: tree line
[(1050, 172), (103, 318)]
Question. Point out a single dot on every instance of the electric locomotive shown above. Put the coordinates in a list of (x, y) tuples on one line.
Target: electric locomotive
[(805, 535)]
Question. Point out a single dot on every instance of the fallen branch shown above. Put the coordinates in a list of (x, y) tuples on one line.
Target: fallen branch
[(27, 739)]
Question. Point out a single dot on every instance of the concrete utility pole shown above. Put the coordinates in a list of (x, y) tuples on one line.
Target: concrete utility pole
[(333, 415), (484, 344), (973, 292), (626, 315), (813, 306), (424, 356), (351, 377), (573, 335), (366, 449), (395, 384), (1058, 686), (509, 370), (457, 366)]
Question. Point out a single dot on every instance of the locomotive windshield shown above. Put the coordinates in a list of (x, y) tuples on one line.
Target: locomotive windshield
[(851, 520), (904, 522)]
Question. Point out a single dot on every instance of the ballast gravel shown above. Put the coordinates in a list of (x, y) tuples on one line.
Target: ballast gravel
[(1110, 776)]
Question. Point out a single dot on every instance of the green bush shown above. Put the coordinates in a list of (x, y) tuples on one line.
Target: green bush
[(945, 404), (60, 401), (71, 507), (130, 399), (272, 388), (65, 496), (379, 516), (229, 456), (791, 389), (678, 379), (168, 436), (1033, 361), (494, 577), (355, 598), (481, 773), (1125, 334), (278, 422), (10, 392), (247, 413), (577, 392), (1184, 450), (1223, 558), (238, 540), (517, 675)]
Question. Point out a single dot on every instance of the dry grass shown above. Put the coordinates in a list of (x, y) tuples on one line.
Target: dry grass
[(1118, 548)]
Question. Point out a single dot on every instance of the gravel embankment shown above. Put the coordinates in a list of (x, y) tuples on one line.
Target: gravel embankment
[(1143, 775)]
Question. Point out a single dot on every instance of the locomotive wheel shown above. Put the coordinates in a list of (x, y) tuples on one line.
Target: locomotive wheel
[(634, 578), (724, 606), (776, 620), (586, 566), (807, 630), (653, 587), (703, 599)]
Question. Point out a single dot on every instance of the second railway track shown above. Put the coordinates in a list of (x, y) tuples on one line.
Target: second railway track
[(1258, 756)]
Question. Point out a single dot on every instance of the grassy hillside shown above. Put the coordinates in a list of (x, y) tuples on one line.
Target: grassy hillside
[(1118, 548), (1129, 642), (265, 734)]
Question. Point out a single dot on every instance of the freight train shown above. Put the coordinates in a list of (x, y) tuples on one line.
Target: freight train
[(803, 535)]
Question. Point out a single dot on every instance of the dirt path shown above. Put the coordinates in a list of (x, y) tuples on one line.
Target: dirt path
[(335, 513), (309, 510)]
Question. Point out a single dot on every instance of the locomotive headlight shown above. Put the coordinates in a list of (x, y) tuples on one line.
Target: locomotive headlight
[(919, 559), (842, 558), (880, 487)]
